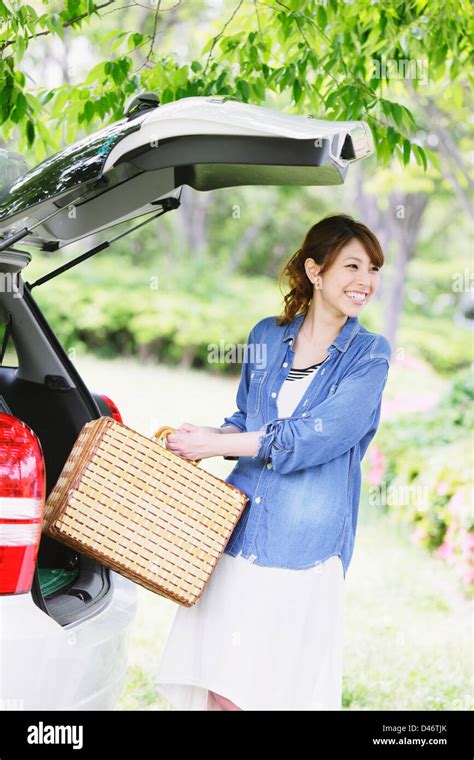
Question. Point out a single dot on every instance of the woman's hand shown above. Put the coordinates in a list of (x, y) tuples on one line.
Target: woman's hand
[(194, 441)]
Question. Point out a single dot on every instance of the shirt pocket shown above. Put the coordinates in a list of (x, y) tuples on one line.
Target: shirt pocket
[(257, 377)]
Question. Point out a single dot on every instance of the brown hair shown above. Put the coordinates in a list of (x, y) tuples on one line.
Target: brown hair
[(322, 242)]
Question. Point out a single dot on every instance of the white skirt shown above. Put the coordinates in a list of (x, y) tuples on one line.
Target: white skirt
[(266, 638)]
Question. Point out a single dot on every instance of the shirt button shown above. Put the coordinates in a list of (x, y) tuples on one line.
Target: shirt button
[(258, 500), (273, 394), (269, 465), (285, 364), (305, 414)]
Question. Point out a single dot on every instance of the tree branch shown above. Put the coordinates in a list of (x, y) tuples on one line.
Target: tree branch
[(214, 41), (71, 22)]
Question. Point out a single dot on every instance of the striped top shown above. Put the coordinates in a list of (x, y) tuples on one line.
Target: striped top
[(294, 385), (295, 374)]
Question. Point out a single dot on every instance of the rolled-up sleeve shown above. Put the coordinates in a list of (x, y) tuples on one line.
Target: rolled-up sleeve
[(332, 427)]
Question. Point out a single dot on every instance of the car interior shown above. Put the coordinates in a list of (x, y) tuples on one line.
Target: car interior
[(42, 388)]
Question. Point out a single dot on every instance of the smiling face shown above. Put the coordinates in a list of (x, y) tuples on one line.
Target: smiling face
[(349, 283)]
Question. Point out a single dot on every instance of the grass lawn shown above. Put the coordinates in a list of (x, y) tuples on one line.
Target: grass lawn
[(408, 628)]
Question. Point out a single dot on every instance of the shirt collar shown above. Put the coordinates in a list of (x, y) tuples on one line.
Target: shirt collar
[(342, 341)]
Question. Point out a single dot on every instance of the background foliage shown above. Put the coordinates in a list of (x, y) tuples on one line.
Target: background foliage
[(208, 272)]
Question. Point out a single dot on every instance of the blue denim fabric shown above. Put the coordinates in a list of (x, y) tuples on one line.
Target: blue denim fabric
[(304, 481)]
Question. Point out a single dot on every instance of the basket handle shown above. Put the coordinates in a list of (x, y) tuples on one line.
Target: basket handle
[(160, 436)]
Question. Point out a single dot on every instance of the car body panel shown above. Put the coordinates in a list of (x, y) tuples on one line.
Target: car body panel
[(75, 166), (124, 170), (46, 666)]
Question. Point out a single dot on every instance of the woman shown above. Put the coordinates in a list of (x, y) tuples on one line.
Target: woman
[(267, 630)]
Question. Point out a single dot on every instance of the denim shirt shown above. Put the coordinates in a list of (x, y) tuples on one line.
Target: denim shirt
[(304, 481)]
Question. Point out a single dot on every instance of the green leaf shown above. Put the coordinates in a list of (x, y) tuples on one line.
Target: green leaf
[(393, 137), (420, 156), (125, 65), (244, 89), (297, 91), (117, 74), (46, 97), (55, 26), (434, 158), (302, 65), (406, 152), (397, 114), (43, 132), (20, 105), (455, 69), (89, 110), (137, 38), (20, 78), (60, 100), (331, 98), (30, 133), (372, 38), (167, 96), (254, 57), (410, 119), (259, 89), (221, 80), (322, 17), (386, 106), (73, 7), (20, 47)]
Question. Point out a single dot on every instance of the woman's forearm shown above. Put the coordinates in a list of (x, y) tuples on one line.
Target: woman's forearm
[(241, 445), (202, 441), (228, 429)]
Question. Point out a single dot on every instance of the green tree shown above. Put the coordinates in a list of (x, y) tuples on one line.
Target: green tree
[(332, 59)]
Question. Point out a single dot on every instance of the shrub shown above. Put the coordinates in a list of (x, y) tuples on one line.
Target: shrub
[(420, 469)]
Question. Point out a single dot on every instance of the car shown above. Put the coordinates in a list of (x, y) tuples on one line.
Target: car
[(64, 617)]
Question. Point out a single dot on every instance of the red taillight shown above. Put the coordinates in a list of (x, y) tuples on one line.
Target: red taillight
[(114, 410), (22, 498)]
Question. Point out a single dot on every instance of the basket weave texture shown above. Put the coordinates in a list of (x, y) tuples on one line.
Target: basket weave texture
[(142, 510)]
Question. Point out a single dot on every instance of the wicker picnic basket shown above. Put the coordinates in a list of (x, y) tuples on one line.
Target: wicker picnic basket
[(142, 510)]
